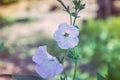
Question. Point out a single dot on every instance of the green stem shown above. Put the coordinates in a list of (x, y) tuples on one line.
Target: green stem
[(75, 17), (70, 19), (75, 70), (65, 76), (74, 21), (62, 4)]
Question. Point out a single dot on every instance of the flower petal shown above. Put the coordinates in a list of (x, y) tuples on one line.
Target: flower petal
[(59, 68), (46, 65), (49, 68), (73, 42), (58, 35), (63, 44), (42, 70), (40, 55), (73, 31)]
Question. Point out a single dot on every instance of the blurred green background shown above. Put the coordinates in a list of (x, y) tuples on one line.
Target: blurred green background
[(27, 24)]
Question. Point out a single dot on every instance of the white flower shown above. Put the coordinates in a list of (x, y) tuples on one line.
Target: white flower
[(66, 36), (46, 65)]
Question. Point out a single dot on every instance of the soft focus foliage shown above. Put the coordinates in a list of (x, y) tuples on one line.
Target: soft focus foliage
[(5, 2), (100, 43), (100, 39), (7, 20), (112, 74)]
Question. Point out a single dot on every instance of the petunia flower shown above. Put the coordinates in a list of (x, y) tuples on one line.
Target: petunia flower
[(46, 65), (66, 36)]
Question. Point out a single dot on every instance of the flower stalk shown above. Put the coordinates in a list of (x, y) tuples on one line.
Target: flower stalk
[(75, 71), (78, 6)]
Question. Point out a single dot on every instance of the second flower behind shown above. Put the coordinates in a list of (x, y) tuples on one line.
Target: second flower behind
[(46, 65)]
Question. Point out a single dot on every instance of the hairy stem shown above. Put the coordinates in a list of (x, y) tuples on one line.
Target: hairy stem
[(70, 19), (62, 4), (75, 70), (74, 21)]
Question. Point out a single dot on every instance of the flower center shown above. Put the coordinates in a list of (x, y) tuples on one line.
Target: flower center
[(51, 60), (66, 35)]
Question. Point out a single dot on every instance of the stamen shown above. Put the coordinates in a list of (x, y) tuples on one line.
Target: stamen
[(66, 34)]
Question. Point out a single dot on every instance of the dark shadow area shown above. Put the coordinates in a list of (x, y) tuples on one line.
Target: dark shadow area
[(7, 2), (6, 22), (108, 8)]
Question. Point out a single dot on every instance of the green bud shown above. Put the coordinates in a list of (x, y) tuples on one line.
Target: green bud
[(74, 14), (75, 1), (74, 56), (82, 6)]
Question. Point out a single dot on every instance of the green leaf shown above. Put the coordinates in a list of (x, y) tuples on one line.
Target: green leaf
[(113, 74), (60, 59), (80, 7), (99, 77), (62, 78), (76, 26), (26, 77), (75, 2), (73, 14)]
